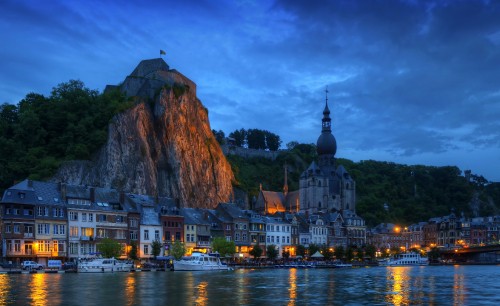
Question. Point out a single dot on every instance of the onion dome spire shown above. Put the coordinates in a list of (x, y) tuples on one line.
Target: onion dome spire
[(326, 144)]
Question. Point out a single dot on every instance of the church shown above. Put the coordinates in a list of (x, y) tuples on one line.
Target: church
[(324, 186)]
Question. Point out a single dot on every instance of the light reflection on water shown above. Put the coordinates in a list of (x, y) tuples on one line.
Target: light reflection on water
[(464, 285)]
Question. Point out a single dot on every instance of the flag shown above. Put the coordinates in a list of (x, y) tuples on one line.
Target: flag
[(162, 52)]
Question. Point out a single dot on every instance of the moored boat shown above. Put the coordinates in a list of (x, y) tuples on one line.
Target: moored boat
[(200, 262), (102, 265), (407, 259)]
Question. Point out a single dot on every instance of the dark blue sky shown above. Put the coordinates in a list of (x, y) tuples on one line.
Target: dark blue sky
[(413, 82)]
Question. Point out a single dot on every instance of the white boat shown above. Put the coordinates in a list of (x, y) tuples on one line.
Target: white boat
[(200, 262), (407, 259), (102, 265)]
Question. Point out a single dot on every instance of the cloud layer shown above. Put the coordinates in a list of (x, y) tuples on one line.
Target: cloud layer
[(409, 81)]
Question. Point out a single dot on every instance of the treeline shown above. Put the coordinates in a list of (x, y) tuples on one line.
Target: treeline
[(251, 138), (40, 132), (386, 192)]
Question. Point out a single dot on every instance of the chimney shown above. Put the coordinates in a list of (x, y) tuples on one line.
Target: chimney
[(63, 192), (92, 194)]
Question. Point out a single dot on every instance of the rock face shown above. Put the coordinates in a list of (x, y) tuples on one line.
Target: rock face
[(162, 146)]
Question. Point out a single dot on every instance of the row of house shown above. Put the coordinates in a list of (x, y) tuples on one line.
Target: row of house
[(447, 231), (44, 220)]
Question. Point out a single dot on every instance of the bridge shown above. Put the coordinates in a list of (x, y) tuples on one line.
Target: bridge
[(485, 254)]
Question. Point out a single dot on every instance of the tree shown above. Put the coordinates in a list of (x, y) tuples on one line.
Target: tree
[(313, 248), (219, 136), (326, 252), (239, 137), (339, 252), (109, 248), (256, 139), (291, 145), (271, 251), (133, 251), (370, 251), (178, 250), (223, 247), (285, 254), (273, 141), (301, 250), (256, 251), (156, 248), (349, 254)]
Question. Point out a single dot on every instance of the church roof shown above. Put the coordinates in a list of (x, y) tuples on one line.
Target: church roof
[(274, 200)]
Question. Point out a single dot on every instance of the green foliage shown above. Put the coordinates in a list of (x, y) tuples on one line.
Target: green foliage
[(256, 139), (301, 250), (256, 252), (339, 252), (326, 252), (223, 247), (109, 248), (133, 251), (156, 248), (39, 133), (313, 248), (219, 136), (370, 251), (178, 250), (272, 252)]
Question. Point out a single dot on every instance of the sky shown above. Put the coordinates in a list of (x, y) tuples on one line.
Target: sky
[(410, 82)]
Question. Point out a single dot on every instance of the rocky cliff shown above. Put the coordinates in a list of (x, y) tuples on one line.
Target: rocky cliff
[(164, 145)]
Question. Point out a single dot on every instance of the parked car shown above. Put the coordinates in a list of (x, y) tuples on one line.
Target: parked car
[(7, 265), (31, 265), (69, 266)]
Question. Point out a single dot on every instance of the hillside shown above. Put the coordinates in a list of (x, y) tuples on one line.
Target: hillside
[(411, 193)]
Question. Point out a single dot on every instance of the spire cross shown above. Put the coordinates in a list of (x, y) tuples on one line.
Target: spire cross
[(326, 94)]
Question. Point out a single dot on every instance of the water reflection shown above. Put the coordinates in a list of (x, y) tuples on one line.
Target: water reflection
[(130, 287), (292, 289), (38, 287), (5, 288), (458, 287), (201, 297), (398, 285)]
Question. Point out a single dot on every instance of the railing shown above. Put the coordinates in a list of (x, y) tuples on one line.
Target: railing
[(28, 235), (85, 238), (23, 252)]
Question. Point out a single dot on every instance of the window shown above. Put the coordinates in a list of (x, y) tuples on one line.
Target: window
[(167, 236), (102, 233), (17, 245), (244, 237), (237, 237), (28, 212), (84, 217), (282, 239), (228, 238), (119, 219), (102, 218), (73, 216), (146, 234), (8, 211), (17, 211), (120, 234), (228, 227), (177, 236), (133, 222), (17, 228), (73, 248), (73, 231), (59, 229), (133, 235), (58, 212), (91, 217), (157, 235), (43, 229), (146, 249)]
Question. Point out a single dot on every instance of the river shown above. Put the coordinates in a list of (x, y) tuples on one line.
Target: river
[(430, 285)]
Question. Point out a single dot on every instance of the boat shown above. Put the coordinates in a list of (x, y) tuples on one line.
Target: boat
[(102, 265), (407, 259), (342, 265), (200, 262)]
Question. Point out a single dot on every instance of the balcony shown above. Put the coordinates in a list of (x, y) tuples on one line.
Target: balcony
[(86, 238), (28, 235)]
